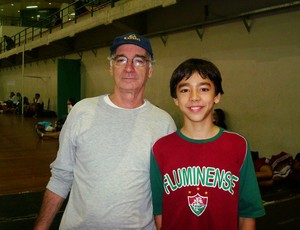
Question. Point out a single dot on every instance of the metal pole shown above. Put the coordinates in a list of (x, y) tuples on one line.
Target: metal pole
[(23, 63)]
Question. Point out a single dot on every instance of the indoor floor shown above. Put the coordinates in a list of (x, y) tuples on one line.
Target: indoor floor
[(24, 173)]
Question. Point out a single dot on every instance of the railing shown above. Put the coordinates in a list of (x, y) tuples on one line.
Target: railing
[(58, 20)]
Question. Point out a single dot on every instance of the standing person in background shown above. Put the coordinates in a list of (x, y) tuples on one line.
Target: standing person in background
[(56, 20), (104, 152), (219, 118), (202, 176), (79, 8), (70, 103), (9, 42)]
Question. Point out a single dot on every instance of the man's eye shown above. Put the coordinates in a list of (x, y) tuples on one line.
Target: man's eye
[(204, 89), (121, 60), (139, 61)]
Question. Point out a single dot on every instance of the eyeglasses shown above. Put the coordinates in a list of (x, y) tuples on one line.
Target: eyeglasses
[(138, 61)]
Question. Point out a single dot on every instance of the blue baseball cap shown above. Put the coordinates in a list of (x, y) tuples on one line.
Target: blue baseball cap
[(132, 38)]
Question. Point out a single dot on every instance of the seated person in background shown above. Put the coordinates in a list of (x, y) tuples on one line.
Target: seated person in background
[(296, 163), (38, 103), (18, 99), (281, 164), (263, 170), (36, 107), (47, 130), (11, 101), (18, 104), (219, 118), (295, 174), (26, 105)]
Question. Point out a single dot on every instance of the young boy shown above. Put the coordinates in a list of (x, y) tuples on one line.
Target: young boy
[(202, 176)]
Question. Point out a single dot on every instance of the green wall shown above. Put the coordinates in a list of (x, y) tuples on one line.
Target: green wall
[(68, 84)]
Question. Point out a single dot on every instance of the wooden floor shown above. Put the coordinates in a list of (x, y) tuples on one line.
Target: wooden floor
[(24, 173), (24, 157)]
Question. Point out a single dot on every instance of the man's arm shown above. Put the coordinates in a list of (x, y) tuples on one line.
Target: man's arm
[(246, 223), (50, 206)]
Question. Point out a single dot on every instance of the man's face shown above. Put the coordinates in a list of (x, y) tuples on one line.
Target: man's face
[(127, 76)]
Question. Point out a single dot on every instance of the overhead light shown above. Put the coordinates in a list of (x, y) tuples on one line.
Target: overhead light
[(31, 7)]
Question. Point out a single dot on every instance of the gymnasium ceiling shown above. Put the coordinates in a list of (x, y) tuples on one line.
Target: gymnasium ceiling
[(12, 8), (184, 15)]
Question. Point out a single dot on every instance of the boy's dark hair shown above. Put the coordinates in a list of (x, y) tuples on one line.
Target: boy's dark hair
[(205, 68)]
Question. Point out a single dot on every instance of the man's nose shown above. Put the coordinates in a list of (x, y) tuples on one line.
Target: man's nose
[(129, 65)]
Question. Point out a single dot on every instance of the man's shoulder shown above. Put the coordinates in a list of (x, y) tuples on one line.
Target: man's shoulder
[(158, 111), (88, 101), (86, 105), (162, 117)]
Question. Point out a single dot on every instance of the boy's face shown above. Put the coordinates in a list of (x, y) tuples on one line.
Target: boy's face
[(196, 98)]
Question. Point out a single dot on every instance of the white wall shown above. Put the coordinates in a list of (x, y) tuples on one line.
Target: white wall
[(260, 73), (10, 30)]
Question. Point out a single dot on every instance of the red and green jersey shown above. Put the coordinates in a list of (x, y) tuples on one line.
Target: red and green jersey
[(204, 184)]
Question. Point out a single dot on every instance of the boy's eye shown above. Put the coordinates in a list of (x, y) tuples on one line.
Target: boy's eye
[(204, 89), (184, 90)]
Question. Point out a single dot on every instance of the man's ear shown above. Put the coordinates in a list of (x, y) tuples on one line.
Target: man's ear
[(110, 70), (150, 72), (217, 98)]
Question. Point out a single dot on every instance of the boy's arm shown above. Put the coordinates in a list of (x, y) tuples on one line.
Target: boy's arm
[(157, 190), (158, 221), (50, 206), (246, 223), (249, 206)]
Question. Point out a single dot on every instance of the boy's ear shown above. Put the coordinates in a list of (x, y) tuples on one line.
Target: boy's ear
[(175, 101), (217, 98)]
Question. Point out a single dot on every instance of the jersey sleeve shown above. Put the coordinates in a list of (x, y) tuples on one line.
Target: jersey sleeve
[(250, 202), (156, 186)]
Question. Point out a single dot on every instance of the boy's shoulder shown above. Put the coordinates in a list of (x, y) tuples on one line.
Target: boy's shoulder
[(233, 139), (232, 134), (224, 136), (168, 139)]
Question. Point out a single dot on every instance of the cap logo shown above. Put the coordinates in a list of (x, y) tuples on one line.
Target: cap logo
[(132, 37)]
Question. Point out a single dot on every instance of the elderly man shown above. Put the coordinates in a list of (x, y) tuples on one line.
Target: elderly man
[(104, 152)]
